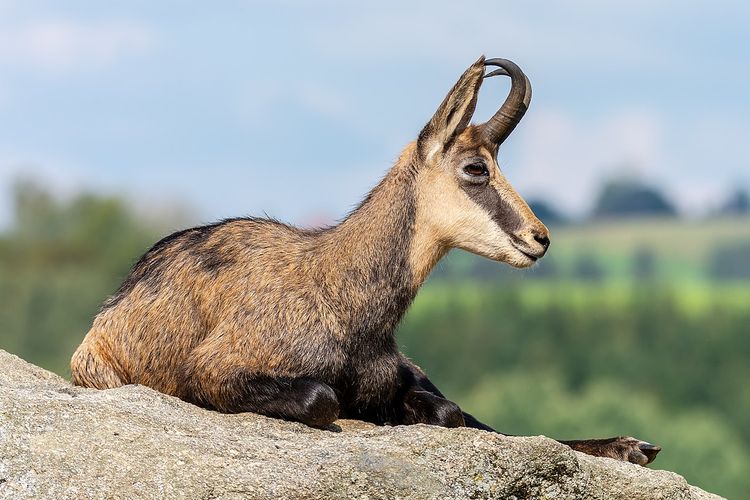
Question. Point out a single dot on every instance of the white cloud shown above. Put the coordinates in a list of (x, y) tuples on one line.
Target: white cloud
[(711, 156), (566, 158), (60, 45), (62, 176)]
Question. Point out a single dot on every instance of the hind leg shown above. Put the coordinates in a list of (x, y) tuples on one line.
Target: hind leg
[(93, 366), (291, 398), (228, 382)]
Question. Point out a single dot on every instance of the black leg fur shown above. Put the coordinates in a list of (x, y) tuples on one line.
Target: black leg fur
[(423, 383), (620, 448), (423, 407), (299, 399)]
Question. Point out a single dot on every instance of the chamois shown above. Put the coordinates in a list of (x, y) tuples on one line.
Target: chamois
[(252, 315)]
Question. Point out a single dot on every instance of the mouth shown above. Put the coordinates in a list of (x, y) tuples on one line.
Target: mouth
[(533, 258)]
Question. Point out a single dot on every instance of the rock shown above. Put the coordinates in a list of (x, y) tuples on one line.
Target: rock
[(60, 441)]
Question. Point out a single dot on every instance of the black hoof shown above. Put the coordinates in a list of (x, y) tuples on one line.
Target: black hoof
[(319, 404), (623, 448), (634, 450), (650, 450), (423, 407)]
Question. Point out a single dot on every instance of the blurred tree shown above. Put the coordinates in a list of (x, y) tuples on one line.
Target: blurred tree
[(547, 213), (58, 261), (586, 267), (628, 197), (737, 203), (730, 261), (546, 268), (644, 264)]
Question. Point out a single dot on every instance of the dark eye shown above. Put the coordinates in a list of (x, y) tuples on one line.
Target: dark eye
[(478, 169)]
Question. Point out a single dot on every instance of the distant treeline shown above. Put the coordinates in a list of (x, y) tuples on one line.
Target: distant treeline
[(632, 197)]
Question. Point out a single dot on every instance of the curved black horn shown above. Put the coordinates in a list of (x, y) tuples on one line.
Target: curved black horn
[(499, 127)]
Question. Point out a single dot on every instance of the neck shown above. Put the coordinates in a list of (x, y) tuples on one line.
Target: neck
[(377, 258)]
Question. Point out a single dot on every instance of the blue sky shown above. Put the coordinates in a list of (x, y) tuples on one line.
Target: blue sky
[(295, 109)]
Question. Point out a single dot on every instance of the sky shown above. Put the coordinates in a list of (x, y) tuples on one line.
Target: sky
[(295, 109)]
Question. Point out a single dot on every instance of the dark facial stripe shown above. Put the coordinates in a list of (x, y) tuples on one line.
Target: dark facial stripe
[(487, 197)]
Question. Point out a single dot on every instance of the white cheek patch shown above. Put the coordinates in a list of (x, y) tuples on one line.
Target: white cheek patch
[(489, 239), (459, 222), (477, 232), (448, 218)]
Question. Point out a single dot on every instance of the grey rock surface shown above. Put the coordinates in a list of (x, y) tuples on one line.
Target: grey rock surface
[(60, 441)]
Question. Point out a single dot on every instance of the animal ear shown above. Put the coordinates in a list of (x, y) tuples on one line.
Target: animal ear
[(455, 112)]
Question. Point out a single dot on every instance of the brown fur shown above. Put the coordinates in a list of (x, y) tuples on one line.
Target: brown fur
[(254, 296), (287, 302), (255, 315)]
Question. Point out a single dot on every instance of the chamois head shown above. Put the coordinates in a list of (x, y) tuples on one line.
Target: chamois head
[(462, 196)]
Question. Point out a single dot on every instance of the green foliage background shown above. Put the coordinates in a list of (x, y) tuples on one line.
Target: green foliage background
[(637, 327), (597, 360)]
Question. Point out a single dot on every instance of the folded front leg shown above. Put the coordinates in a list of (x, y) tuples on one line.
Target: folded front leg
[(422, 407), (422, 383), (623, 448)]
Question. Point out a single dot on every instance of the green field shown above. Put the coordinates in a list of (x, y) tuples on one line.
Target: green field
[(673, 251), (682, 248)]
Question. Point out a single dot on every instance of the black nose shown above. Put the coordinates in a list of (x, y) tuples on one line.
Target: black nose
[(543, 240)]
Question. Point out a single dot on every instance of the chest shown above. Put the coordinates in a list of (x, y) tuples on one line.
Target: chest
[(368, 382)]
